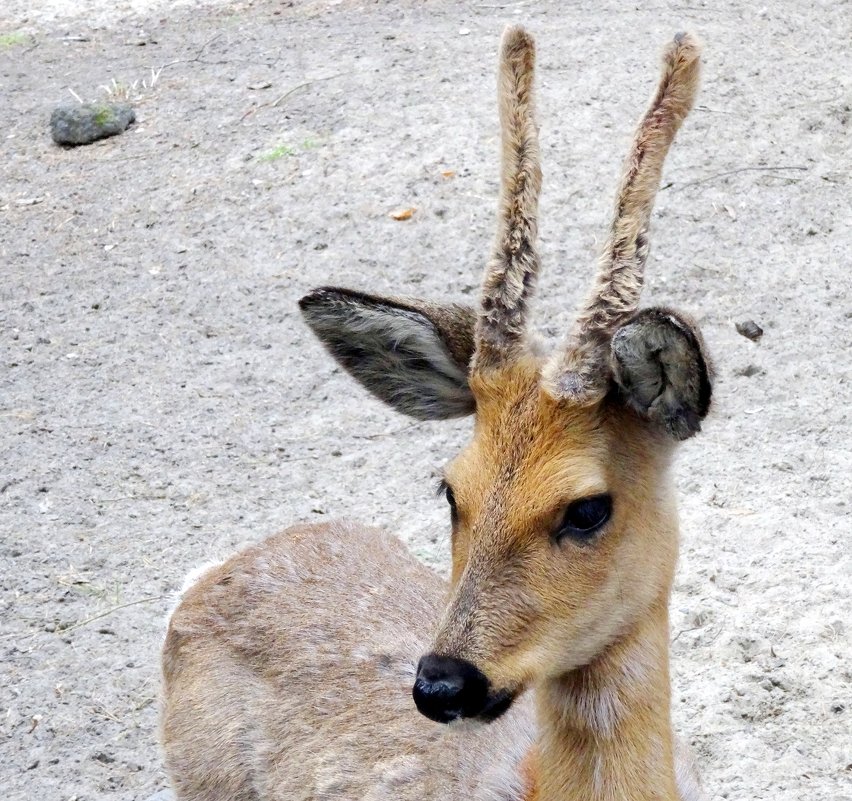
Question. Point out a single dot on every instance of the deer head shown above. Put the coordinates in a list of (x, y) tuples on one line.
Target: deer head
[(564, 525)]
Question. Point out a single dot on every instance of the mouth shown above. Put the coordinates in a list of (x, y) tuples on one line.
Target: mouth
[(448, 689), (497, 703)]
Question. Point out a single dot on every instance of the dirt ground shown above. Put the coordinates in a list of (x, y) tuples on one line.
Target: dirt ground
[(161, 401)]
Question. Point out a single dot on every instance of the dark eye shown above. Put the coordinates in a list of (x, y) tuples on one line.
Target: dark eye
[(451, 500), (585, 517), (447, 491)]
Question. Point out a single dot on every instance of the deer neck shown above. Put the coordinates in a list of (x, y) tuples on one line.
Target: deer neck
[(605, 729)]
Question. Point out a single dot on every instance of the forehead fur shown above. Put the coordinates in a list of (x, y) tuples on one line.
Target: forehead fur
[(548, 450)]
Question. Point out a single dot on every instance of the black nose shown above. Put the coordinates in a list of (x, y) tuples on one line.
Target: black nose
[(446, 689)]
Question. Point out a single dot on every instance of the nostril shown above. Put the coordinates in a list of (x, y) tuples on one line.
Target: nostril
[(441, 673), (446, 689), (440, 688), (438, 700)]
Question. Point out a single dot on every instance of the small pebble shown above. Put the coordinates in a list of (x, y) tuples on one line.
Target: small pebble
[(76, 124), (750, 330)]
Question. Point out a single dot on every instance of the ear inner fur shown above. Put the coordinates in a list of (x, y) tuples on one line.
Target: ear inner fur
[(411, 354), (660, 367)]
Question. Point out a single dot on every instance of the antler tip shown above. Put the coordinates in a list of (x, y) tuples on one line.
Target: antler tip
[(681, 71), (684, 49), (516, 42)]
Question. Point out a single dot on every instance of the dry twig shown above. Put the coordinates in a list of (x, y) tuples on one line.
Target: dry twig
[(110, 611), (676, 188)]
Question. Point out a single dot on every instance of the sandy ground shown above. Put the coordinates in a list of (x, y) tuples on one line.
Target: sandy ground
[(161, 402)]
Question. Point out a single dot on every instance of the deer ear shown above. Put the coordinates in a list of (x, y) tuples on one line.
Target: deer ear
[(660, 367), (411, 354)]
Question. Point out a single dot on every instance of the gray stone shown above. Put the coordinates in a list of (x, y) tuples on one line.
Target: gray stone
[(750, 330), (76, 124)]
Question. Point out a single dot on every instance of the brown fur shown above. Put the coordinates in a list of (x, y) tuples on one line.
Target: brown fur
[(287, 676), (320, 708), (529, 459), (288, 670), (529, 771), (584, 624)]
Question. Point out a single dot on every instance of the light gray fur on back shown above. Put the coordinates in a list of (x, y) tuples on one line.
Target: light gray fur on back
[(317, 650)]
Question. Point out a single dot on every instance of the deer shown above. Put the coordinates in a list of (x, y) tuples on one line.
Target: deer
[(296, 668)]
